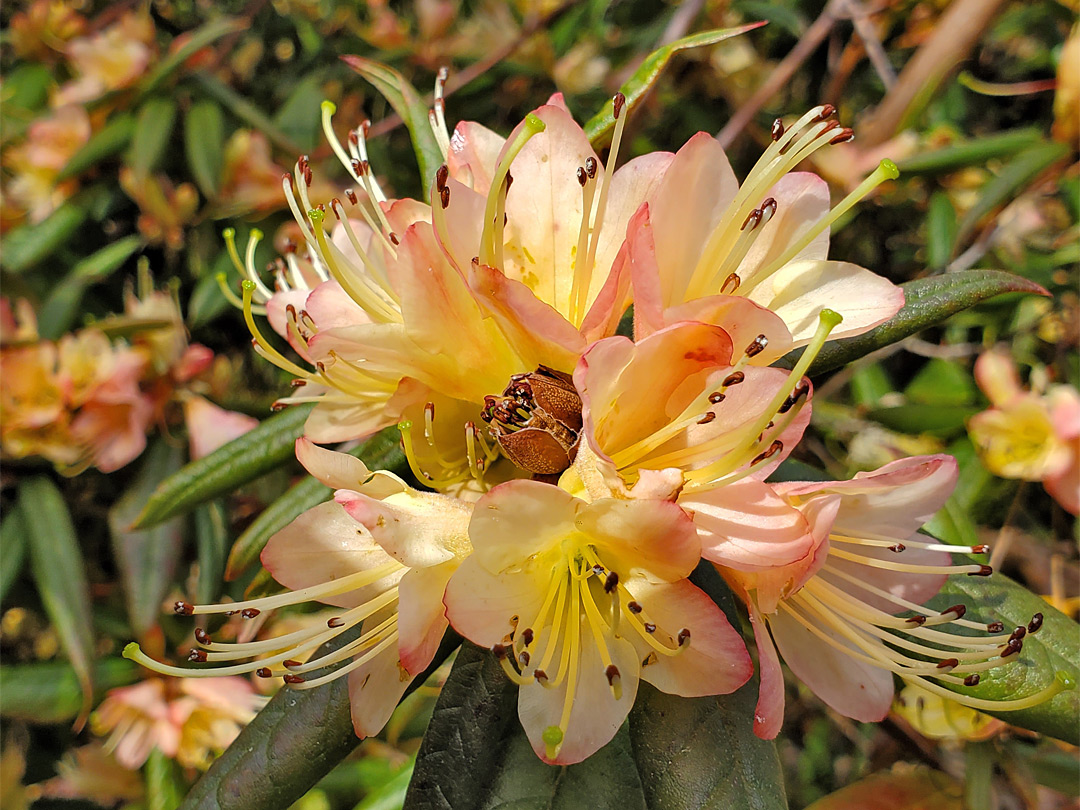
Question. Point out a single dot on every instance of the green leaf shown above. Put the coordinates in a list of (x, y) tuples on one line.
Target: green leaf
[(970, 153), (106, 142), (600, 126), (300, 117), (204, 145), (928, 301), (195, 41), (61, 309), (1012, 179), (12, 548), (297, 738), (940, 230), (152, 131), (211, 542), (941, 382), (918, 418), (1052, 649), (391, 794), (51, 693), (147, 559), (57, 563), (29, 244), (408, 104), (380, 452), (164, 785), (1047, 763), (243, 459), (247, 112)]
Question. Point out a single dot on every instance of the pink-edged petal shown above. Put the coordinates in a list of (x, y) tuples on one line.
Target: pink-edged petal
[(798, 291), (473, 154), (802, 199), (687, 205), (324, 544), (1064, 486), (421, 614), (715, 662), (342, 471), (1064, 404), (375, 689), (558, 100), (650, 301), (330, 306), (419, 529), (479, 604), (742, 319), (464, 224), (853, 688), (518, 519), (997, 377), (656, 538), (602, 319), (746, 525), (595, 714), (210, 426), (769, 711)]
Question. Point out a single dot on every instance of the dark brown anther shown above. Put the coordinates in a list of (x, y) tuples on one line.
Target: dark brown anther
[(292, 679), (982, 548), (509, 181), (183, 608), (734, 281), (250, 613), (291, 663), (352, 196), (684, 636), (334, 622), (276, 407), (995, 627), (611, 582), (444, 197), (802, 388), (335, 204), (959, 610), (599, 570), (774, 448), (442, 174), (753, 219), (716, 397), (523, 658), (633, 607), (948, 663), (708, 417), (302, 163), (777, 131), (527, 636), (264, 672), (918, 621), (984, 571), (734, 378), (198, 656), (1035, 623), (582, 178), (617, 104), (1019, 632), (202, 636), (768, 210), (827, 111), (540, 675), (394, 238), (591, 166), (972, 679), (757, 346), (650, 627), (298, 383), (365, 167), (612, 673), (354, 139), (846, 136), (365, 127), (1014, 646), (499, 651), (307, 176), (897, 547), (321, 207)]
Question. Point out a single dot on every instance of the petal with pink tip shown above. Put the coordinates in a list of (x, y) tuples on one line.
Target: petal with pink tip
[(714, 663), (375, 689), (769, 711), (421, 614), (330, 306), (742, 319), (210, 426), (997, 377), (1064, 486), (473, 154)]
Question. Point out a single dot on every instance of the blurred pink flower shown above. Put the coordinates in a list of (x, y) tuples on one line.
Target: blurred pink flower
[(108, 60), (34, 164)]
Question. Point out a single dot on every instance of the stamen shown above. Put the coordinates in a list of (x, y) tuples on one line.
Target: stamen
[(533, 125)]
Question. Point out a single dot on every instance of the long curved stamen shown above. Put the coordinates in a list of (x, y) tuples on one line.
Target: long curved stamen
[(533, 125), (586, 176), (374, 269), (357, 285), (262, 345), (437, 118), (247, 266)]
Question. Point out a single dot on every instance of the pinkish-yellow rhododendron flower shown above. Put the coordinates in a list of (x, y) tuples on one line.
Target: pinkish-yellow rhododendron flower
[(582, 600), (1031, 435), (382, 552), (834, 613)]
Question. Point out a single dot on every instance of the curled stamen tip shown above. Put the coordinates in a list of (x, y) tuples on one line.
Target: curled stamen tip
[(889, 169), (984, 571), (182, 608), (197, 656), (684, 637), (202, 636), (328, 106)]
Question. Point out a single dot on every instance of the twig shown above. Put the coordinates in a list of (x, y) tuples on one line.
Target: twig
[(860, 19)]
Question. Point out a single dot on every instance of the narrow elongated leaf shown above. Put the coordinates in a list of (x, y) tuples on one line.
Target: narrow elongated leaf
[(247, 112), (12, 548), (407, 103), (297, 738), (106, 142), (940, 230), (147, 558), (1051, 650), (928, 301), (211, 541), (204, 144), (600, 127), (243, 459), (29, 244), (51, 693), (970, 153), (195, 42), (164, 786), (391, 794), (57, 564), (152, 131)]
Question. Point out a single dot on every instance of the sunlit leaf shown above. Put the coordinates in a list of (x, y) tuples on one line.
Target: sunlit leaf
[(970, 153)]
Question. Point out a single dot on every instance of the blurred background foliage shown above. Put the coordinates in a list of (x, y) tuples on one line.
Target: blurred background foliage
[(133, 133)]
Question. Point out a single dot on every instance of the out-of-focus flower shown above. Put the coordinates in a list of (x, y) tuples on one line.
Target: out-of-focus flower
[(1067, 98), (383, 553), (89, 772), (165, 209), (833, 614), (211, 426), (579, 601), (940, 718), (108, 60), (35, 163), (188, 720), (42, 31), (251, 181), (1031, 435)]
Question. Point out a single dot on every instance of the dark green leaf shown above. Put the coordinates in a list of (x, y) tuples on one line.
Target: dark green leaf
[(1010, 181), (243, 459), (408, 104), (151, 137), (164, 785), (600, 126), (918, 418), (247, 112), (1052, 649), (195, 41), (300, 116), (204, 145), (29, 244), (380, 452), (970, 153), (928, 301), (60, 574), (940, 230), (391, 794), (942, 382), (12, 548), (1048, 764), (147, 558), (50, 693), (211, 541), (106, 142)]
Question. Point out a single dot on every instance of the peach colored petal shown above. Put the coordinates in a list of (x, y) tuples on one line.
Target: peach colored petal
[(1064, 486), (742, 319), (802, 198), (653, 536), (479, 604), (375, 689), (210, 426), (518, 519), (421, 615), (473, 154), (769, 711), (997, 377)]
